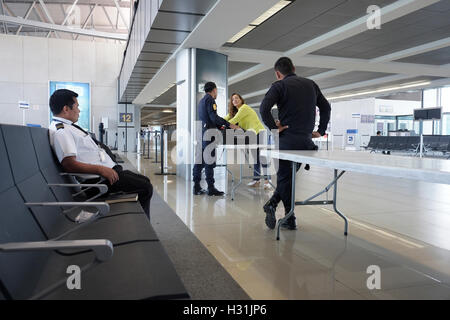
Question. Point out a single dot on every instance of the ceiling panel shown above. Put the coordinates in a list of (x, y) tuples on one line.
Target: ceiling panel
[(304, 20), (405, 96), (265, 79), (176, 21), (387, 84), (173, 23), (141, 77), (149, 64), (167, 97), (443, 6), (296, 14), (167, 36), (420, 27), (191, 6), (437, 57), (350, 77), (235, 67), (410, 96), (146, 55), (138, 82), (110, 3), (160, 47), (146, 69), (145, 72)]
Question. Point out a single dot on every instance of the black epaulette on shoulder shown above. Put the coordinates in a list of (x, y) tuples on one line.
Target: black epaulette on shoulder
[(59, 126)]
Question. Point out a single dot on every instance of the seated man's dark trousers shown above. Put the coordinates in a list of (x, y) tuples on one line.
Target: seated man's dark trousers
[(131, 182)]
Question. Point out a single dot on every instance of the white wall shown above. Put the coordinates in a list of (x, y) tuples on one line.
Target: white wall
[(27, 64), (395, 107), (341, 120), (341, 116)]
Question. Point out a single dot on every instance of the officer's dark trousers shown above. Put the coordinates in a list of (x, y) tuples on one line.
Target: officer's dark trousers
[(284, 173), (209, 168), (131, 182)]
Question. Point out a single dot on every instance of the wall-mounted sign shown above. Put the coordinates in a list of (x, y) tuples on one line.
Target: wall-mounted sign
[(24, 105), (386, 109), (367, 118), (126, 117)]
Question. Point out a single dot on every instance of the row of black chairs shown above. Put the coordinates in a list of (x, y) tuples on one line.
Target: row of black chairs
[(409, 144), (42, 244)]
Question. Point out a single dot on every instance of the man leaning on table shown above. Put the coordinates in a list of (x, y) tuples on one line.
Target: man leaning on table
[(296, 98)]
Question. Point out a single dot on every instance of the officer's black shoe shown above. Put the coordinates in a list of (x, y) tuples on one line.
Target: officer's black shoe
[(214, 192), (307, 167), (269, 208), (289, 224), (198, 190)]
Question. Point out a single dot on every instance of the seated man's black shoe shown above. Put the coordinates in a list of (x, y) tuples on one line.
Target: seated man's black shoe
[(198, 190), (289, 224), (214, 192), (269, 208)]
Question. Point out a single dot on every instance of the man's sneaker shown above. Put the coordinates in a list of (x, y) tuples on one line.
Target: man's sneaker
[(198, 190), (214, 192), (289, 224), (267, 185), (270, 208), (253, 184)]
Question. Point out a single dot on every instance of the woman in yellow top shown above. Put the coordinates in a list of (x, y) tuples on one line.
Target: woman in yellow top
[(243, 115)]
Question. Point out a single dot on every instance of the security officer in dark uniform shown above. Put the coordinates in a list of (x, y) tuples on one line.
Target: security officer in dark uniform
[(207, 111), (296, 98)]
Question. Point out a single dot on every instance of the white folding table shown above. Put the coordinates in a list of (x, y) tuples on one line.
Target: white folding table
[(241, 148), (427, 170)]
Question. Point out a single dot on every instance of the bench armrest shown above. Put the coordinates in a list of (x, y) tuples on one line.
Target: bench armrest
[(103, 207), (83, 176), (102, 248), (102, 188)]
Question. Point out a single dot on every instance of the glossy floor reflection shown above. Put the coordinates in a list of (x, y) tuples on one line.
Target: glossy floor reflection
[(399, 225)]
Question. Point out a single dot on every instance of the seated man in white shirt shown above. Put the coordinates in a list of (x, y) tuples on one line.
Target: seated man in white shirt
[(79, 153)]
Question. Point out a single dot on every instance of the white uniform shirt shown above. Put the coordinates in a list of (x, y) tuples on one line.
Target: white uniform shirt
[(68, 141)]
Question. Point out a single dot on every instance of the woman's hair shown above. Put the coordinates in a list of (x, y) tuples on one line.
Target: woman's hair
[(232, 110)]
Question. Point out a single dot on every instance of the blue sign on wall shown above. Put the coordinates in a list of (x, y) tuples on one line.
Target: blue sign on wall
[(84, 100)]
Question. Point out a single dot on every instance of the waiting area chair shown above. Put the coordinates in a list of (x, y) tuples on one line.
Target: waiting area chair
[(117, 249)]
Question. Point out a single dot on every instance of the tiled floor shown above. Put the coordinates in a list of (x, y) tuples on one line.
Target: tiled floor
[(399, 225)]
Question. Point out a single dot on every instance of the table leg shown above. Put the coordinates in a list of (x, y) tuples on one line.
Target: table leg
[(335, 203), (238, 184)]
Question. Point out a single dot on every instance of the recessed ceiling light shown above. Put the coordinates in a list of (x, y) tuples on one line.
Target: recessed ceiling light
[(406, 86), (266, 15), (241, 33)]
